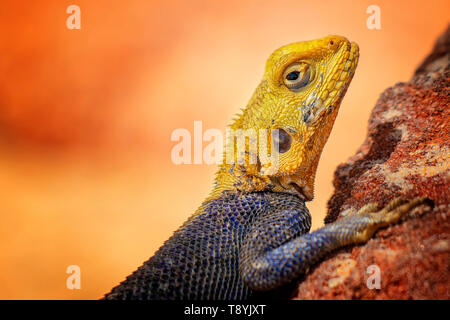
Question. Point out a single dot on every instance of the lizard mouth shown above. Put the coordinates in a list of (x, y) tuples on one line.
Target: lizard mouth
[(343, 67)]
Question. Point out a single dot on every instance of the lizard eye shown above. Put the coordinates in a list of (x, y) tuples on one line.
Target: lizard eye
[(297, 76), (282, 140)]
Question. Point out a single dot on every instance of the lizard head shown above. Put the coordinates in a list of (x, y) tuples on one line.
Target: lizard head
[(295, 105)]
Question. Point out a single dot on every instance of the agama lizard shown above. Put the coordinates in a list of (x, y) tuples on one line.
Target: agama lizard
[(252, 233)]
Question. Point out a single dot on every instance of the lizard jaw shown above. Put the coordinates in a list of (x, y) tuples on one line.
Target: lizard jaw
[(295, 184), (307, 196)]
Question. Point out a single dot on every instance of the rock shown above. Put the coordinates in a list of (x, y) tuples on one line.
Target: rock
[(406, 153)]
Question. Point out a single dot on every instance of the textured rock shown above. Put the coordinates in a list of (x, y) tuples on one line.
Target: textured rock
[(406, 153)]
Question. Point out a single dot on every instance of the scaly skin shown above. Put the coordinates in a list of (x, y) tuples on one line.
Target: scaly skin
[(251, 233)]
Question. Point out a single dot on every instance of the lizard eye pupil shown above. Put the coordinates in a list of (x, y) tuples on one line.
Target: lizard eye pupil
[(282, 140), (293, 75), (297, 76)]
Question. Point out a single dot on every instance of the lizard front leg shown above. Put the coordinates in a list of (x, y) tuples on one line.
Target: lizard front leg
[(271, 257)]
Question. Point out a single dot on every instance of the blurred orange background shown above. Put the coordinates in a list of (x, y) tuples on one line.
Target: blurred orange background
[(86, 117)]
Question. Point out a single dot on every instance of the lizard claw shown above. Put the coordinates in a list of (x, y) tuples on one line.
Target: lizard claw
[(397, 208)]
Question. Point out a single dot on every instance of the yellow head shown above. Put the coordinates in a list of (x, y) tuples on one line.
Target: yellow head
[(300, 95)]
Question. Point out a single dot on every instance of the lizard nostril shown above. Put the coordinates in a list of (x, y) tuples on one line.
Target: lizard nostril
[(330, 108)]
